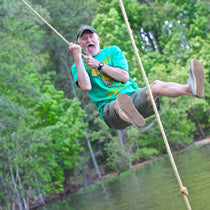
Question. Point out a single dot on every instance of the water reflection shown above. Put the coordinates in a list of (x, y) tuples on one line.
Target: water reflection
[(152, 186)]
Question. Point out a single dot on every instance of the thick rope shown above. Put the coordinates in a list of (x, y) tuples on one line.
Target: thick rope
[(45, 22), (68, 43), (183, 190)]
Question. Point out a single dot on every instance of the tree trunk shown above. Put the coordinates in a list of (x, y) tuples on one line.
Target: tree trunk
[(16, 191), (124, 155), (86, 136), (156, 42), (200, 128), (84, 174), (120, 137), (152, 42), (39, 192), (93, 157), (22, 189)]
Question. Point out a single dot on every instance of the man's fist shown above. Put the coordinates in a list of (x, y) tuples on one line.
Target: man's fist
[(75, 50), (90, 61)]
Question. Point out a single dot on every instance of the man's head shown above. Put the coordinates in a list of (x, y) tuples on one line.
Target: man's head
[(89, 40)]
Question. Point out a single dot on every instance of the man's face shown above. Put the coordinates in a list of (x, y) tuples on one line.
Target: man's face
[(89, 42)]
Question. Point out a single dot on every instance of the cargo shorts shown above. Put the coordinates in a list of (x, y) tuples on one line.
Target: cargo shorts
[(139, 99)]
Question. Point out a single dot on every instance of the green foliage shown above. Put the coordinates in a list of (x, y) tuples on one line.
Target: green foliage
[(145, 154), (66, 17), (200, 26), (168, 34), (41, 129)]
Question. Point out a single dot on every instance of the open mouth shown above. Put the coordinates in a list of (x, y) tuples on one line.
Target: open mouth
[(91, 46)]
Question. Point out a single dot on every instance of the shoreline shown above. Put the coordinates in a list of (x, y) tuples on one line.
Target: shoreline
[(73, 188), (146, 162)]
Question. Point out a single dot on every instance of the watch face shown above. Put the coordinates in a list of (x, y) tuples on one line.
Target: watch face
[(100, 66)]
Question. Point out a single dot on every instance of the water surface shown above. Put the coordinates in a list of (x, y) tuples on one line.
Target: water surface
[(151, 187)]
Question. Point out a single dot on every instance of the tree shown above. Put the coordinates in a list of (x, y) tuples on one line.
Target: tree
[(168, 38), (40, 129)]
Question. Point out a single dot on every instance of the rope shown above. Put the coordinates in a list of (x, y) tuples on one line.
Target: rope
[(47, 23), (183, 190)]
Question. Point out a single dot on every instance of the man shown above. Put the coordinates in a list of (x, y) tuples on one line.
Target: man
[(103, 73)]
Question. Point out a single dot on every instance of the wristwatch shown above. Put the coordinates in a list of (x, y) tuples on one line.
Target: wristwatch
[(101, 64)]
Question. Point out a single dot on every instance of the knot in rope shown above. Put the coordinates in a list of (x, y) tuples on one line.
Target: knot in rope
[(184, 191)]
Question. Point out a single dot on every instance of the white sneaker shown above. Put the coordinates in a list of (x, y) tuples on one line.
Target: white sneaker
[(196, 78)]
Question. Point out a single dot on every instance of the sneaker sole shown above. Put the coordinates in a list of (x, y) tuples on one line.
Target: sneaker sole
[(197, 72), (127, 106)]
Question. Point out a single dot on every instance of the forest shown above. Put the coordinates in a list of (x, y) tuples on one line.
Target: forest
[(51, 134)]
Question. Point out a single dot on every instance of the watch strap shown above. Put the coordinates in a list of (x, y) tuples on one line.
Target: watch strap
[(101, 64)]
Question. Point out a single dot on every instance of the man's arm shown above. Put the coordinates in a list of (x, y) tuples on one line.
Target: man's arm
[(116, 73), (82, 76)]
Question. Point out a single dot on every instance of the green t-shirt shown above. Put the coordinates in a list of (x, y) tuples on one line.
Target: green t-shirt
[(104, 88)]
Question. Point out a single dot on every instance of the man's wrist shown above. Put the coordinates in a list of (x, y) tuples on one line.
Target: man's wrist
[(77, 57), (100, 66)]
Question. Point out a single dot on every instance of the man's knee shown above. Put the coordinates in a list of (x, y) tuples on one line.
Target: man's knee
[(155, 87)]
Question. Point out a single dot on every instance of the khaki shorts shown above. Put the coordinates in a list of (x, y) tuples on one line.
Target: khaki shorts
[(142, 105)]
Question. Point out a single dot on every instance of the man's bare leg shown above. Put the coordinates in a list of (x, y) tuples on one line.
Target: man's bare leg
[(168, 89), (195, 85)]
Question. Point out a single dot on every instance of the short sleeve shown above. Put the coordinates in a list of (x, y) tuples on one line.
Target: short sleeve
[(74, 72), (118, 58)]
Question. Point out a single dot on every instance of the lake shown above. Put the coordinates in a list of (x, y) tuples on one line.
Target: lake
[(150, 187)]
